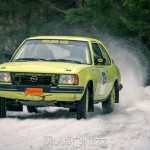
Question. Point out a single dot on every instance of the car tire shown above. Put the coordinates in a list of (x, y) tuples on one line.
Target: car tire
[(32, 109), (3, 109), (82, 105), (108, 105)]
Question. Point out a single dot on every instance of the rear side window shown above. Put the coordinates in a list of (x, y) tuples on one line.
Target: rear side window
[(96, 51), (105, 55)]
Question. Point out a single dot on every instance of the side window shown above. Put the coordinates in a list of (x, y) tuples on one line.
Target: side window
[(105, 55), (96, 51)]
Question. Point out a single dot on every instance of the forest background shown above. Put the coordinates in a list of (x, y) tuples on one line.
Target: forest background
[(122, 19)]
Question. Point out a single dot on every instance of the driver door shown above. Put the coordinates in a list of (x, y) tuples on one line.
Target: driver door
[(103, 74)]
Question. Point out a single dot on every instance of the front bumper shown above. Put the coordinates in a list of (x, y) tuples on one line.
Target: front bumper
[(50, 93), (46, 89)]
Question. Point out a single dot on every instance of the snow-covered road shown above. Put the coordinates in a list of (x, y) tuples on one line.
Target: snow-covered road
[(128, 127)]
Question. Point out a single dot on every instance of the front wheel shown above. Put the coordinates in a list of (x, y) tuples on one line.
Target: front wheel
[(108, 105), (3, 109), (82, 105)]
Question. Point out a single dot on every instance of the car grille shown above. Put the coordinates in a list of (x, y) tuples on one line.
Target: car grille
[(34, 79)]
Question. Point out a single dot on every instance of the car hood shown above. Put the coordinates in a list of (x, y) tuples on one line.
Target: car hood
[(41, 67)]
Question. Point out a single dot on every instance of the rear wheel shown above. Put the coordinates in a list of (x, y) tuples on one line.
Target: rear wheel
[(3, 109), (82, 105), (108, 105), (32, 109)]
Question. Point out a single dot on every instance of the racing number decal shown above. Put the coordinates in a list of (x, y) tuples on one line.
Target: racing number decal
[(103, 81)]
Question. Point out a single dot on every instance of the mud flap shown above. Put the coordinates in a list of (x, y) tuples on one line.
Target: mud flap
[(117, 89), (116, 96)]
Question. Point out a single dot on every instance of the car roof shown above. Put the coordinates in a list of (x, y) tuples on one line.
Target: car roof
[(76, 38)]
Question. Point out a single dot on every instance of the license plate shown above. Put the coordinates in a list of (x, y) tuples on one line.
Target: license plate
[(33, 91)]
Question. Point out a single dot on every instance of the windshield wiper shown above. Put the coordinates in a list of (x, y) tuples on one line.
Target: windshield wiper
[(65, 60), (40, 59), (30, 59)]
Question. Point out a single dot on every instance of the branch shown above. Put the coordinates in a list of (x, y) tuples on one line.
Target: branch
[(79, 3), (58, 9)]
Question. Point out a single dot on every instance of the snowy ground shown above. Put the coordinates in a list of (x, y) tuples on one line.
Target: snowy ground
[(128, 127)]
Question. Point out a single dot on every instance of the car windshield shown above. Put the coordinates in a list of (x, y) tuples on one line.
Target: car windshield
[(54, 50)]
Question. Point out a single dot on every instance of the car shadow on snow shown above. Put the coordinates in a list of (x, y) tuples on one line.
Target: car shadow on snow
[(59, 113), (43, 114)]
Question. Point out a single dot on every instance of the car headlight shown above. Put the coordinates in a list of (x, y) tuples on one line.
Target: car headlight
[(69, 79), (5, 77)]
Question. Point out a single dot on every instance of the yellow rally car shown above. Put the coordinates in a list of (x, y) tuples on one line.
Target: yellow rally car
[(70, 72)]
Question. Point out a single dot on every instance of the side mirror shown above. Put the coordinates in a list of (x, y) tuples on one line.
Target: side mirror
[(101, 61), (7, 56)]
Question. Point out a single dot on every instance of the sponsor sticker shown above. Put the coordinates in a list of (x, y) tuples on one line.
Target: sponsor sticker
[(55, 41), (103, 81)]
